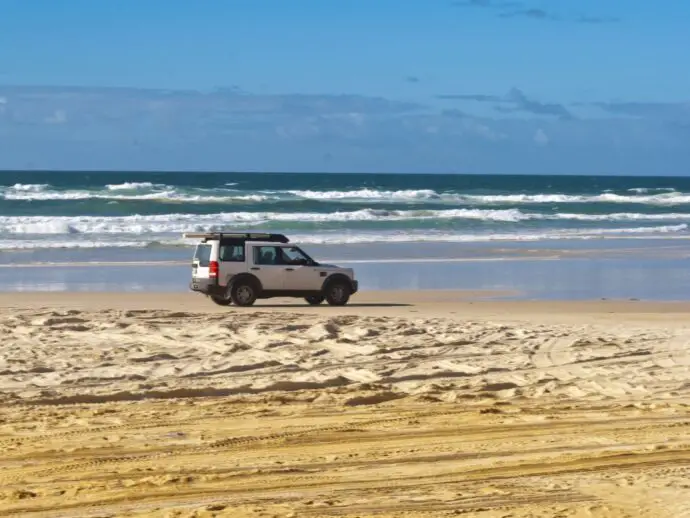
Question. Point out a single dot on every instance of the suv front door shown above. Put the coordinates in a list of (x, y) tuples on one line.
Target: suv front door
[(300, 275)]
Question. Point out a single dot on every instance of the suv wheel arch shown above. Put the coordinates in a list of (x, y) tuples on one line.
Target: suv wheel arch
[(247, 277), (336, 277)]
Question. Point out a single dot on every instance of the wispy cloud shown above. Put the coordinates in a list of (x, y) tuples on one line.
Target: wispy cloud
[(470, 97), (673, 111), (37, 104), (515, 9), (487, 3), (597, 19), (537, 14), (515, 100), (523, 103)]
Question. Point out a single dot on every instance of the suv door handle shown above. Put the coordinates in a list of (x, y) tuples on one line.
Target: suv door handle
[(289, 269), (255, 268)]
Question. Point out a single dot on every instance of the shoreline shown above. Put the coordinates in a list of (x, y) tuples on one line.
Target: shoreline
[(449, 304)]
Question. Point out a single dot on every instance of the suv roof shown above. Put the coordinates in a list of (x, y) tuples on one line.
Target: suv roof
[(240, 236)]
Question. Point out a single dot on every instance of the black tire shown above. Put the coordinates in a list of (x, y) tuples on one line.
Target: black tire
[(243, 293), (315, 300), (338, 293), (221, 300)]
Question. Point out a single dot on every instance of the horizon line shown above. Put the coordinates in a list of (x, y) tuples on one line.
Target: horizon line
[(431, 173)]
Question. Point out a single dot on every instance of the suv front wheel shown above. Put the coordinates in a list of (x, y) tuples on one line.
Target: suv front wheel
[(243, 293), (338, 293)]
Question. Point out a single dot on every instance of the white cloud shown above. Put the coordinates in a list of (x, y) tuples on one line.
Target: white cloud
[(58, 117), (140, 129), (541, 138), (482, 130)]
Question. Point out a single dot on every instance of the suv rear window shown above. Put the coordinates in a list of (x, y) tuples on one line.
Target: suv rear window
[(203, 255)]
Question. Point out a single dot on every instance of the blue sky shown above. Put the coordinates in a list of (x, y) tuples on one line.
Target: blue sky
[(501, 86)]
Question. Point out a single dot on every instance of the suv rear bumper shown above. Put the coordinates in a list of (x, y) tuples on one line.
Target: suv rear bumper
[(206, 286), (355, 286)]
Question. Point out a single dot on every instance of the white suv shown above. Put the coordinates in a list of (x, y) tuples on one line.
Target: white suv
[(242, 267)]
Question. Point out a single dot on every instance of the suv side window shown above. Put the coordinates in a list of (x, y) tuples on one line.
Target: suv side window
[(265, 255), (231, 253), (292, 255)]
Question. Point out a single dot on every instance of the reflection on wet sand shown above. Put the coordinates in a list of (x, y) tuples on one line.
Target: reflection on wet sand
[(564, 278)]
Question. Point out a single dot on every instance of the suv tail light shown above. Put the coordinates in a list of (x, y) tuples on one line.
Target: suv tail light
[(213, 269)]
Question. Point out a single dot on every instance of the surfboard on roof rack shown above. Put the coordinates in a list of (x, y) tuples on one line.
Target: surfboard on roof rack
[(239, 236)]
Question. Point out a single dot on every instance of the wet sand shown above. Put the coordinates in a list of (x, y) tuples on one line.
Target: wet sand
[(402, 404)]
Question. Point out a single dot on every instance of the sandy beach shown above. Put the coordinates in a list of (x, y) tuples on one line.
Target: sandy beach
[(402, 404)]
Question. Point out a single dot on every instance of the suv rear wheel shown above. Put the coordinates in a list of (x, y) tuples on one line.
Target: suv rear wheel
[(243, 293), (221, 300), (338, 293)]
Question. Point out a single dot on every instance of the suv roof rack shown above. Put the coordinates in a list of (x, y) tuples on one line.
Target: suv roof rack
[(244, 236)]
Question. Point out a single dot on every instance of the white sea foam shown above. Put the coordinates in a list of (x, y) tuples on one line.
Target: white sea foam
[(644, 190), (350, 237), (147, 191), (178, 223), (35, 244), (170, 195), (29, 187), (36, 226), (369, 194), (426, 195), (440, 237), (670, 198), (614, 216), (129, 186)]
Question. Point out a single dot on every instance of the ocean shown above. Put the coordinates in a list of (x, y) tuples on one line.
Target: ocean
[(538, 237), (150, 210)]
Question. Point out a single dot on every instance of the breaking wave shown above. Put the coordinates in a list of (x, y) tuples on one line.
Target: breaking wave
[(146, 241), (148, 191), (177, 223), (29, 187)]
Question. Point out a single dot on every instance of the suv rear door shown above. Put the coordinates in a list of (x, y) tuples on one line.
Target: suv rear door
[(264, 265), (201, 261), (231, 259)]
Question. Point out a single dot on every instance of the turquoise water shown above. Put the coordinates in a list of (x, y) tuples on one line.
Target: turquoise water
[(81, 210)]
